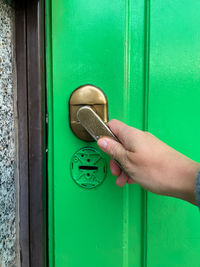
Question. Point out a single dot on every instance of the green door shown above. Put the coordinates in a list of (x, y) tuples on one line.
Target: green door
[(145, 56)]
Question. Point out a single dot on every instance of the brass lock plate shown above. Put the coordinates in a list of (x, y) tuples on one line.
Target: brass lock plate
[(87, 95)]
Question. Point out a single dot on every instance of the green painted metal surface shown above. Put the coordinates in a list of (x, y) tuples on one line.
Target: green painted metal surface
[(88, 167), (145, 57)]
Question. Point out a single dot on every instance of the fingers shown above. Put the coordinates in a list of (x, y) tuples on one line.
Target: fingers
[(130, 180), (117, 127), (126, 134), (118, 150), (113, 148), (115, 169), (121, 179)]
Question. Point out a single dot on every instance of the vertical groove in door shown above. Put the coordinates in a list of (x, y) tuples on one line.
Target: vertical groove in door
[(49, 84), (126, 102), (145, 112), (127, 54)]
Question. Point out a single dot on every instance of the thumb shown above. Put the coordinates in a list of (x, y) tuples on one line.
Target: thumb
[(113, 148)]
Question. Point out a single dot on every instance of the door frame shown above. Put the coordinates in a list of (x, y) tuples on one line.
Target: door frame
[(32, 141)]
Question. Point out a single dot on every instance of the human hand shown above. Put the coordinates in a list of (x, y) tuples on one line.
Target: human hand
[(150, 163)]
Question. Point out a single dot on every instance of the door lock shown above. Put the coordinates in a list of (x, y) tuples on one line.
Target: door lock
[(93, 97)]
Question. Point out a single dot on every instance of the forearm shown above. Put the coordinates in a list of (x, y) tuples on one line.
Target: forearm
[(197, 190), (185, 179)]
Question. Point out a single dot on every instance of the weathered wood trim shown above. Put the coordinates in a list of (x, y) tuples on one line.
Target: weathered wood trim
[(32, 144)]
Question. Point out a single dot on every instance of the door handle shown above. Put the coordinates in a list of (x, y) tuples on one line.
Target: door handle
[(93, 124)]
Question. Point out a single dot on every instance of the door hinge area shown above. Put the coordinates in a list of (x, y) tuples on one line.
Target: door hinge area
[(47, 122), (47, 118)]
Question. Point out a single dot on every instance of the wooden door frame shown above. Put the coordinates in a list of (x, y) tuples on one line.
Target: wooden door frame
[(31, 103)]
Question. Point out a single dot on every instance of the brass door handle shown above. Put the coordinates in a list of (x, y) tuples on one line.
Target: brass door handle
[(93, 124)]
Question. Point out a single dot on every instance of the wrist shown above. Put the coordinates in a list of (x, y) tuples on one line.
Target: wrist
[(186, 181)]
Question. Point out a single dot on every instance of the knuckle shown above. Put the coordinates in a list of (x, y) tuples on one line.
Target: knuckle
[(111, 122), (147, 133), (115, 151), (131, 159), (122, 156), (110, 149), (129, 156)]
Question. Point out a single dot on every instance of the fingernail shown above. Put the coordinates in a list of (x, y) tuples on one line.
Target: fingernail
[(102, 143)]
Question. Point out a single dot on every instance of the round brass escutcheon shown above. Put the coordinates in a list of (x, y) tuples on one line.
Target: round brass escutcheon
[(91, 96)]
